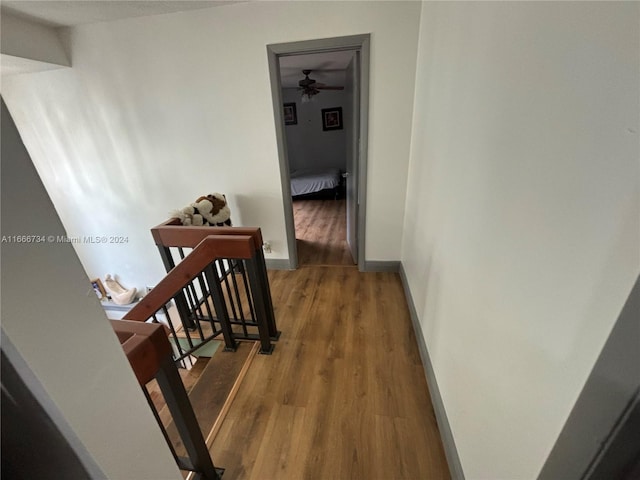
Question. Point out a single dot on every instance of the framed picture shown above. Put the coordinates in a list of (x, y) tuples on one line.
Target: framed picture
[(332, 118), (290, 115), (96, 283)]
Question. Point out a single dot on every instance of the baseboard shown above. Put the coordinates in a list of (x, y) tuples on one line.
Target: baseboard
[(278, 264), (450, 450), (381, 266)]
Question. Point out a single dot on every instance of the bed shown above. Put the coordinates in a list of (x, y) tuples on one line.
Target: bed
[(308, 181)]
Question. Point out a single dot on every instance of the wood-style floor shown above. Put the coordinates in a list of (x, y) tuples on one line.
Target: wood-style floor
[(343, 396), (321, 232)]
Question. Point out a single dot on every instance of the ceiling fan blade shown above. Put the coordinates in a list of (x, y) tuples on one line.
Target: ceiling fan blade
[(327, 87)]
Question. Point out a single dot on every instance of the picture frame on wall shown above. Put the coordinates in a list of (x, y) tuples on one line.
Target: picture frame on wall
[(290, 114), (332, 118)]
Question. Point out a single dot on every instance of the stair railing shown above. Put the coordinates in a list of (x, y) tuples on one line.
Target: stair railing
[(149, 353), (205, 282), (243, 298), (221, 262)]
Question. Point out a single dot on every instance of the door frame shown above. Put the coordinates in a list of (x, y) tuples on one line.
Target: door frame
[(359, 43)]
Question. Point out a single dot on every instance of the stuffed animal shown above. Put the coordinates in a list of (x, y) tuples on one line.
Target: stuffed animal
[(209, 210)]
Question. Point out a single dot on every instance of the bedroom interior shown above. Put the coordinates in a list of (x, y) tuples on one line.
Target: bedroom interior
[(314, 98)]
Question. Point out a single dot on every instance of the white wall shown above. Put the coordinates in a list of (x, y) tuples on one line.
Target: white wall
[(521, 229), (308, 146), (159, 110), (53, 318)]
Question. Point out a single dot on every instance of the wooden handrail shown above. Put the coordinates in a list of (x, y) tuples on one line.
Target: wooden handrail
[(205, 252), (149, 353), (173, 234), (145, 345)]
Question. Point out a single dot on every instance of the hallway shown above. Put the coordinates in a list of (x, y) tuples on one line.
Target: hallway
[(344, 394)]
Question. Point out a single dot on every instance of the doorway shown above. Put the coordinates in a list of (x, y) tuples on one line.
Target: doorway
[(354, 117)]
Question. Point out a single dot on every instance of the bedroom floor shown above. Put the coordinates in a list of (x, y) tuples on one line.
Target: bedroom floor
[(321, 232)]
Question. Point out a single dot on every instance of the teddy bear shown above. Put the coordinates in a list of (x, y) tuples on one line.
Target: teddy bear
[(208, 210)]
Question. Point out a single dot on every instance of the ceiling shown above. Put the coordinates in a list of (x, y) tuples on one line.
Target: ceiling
[(67, 13), (327, 68)]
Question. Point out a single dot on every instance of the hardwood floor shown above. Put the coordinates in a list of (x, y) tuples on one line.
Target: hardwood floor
[(344, 394), (321, 232)]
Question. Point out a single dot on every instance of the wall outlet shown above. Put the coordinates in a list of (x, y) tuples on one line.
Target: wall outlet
[(266, 246)]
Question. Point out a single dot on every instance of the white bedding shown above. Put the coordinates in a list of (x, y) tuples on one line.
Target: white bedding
[(311, 180)]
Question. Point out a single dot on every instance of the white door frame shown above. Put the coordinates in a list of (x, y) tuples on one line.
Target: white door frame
[(359, 43)]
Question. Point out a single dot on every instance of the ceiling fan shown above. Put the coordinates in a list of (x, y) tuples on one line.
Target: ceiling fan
[(310, 87)]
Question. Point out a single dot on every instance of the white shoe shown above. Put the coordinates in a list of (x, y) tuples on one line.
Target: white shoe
[(119, 294)]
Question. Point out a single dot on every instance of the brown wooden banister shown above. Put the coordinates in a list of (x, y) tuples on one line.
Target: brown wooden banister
[(172, 239), (145, 345), (167, 235), (223, 271), (210, 248), (149, 353)]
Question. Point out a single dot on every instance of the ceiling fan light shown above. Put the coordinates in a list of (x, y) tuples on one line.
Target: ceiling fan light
[(307, 95)]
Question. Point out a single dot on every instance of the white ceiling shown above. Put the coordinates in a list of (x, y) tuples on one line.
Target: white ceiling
[(327, 68), (67, 13)]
